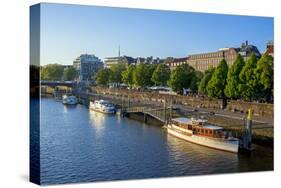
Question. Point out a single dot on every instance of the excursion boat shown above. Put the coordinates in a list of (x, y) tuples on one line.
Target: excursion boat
[(102, 106), (198, 132), (69, 99)]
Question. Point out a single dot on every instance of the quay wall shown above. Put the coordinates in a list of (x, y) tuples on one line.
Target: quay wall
[(260, 109)]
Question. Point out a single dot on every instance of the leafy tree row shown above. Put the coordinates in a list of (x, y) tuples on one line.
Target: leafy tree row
[(141, 75), (56, 72), (185, 76), (250, 80)]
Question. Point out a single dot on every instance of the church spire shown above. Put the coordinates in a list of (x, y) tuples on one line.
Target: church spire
[(119, 51)]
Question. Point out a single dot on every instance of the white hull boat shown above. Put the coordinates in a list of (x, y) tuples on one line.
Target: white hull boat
[(102, 106), (196, 132), (69, 100)]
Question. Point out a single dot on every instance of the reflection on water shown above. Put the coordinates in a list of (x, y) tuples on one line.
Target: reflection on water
[(78, 145), (97, 121), (205, 160)]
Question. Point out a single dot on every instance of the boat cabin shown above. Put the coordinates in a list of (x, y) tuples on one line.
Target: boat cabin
[(198, 127)]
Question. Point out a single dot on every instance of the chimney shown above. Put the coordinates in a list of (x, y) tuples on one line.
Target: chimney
[(246, 43)]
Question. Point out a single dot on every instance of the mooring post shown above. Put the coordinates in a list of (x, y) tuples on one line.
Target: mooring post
[(171, 109), (247, 131), (249, 128), (165, 116), (145, 117)]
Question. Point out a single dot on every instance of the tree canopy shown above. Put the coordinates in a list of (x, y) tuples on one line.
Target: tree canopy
[(69, 73), (128, 75), (264, 77), (196, 79), (247, 85), (202, 88), (233, 81), (52, 72), (116, 73), (181, 77), (142, 75), (216, 85), (161, 74), (102, 77)]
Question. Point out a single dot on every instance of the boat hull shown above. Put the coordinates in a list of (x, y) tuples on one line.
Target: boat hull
[(229, 146), (103, 111), (70, 103)]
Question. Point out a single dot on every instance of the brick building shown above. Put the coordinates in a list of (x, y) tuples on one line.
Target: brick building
[(204, 61)]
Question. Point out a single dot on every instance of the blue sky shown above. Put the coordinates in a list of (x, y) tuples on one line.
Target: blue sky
[(69, 30)]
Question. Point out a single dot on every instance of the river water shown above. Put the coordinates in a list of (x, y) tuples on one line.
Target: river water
[(79, 145)]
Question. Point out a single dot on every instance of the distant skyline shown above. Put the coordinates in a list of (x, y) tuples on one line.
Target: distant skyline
[(70, 30)]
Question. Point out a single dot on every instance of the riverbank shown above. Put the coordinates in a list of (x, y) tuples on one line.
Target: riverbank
[(260, 110), (262, 133), (261, 137)]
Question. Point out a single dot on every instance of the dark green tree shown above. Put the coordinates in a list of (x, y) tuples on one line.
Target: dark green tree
[(161, 74), (138, 76), (248, 83), (216, 85), (116, 73), (128, 76), (150, 68), (69, 73), (196, 79), (264, 77), (205, 80), (142, 75), (181, 77), (232, 87), (102, 77), (52, 72)]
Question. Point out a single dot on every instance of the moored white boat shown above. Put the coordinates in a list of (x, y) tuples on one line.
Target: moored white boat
[(69, 99), (195, 131), (102, 106)]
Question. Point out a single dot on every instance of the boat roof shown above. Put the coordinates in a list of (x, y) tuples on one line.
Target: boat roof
[(188, 120), (213, 127), (182, 120)]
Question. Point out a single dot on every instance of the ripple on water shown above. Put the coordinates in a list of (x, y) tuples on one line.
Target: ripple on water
[(79, 146)]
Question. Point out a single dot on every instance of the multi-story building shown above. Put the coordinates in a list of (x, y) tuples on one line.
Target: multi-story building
[(174, 62), (87, 65), (148, 60), (204, 61), (110, 61)]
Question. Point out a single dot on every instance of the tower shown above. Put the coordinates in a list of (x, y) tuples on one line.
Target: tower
[(119, 51)]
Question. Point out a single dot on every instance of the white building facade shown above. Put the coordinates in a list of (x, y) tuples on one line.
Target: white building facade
[(87, 66)]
